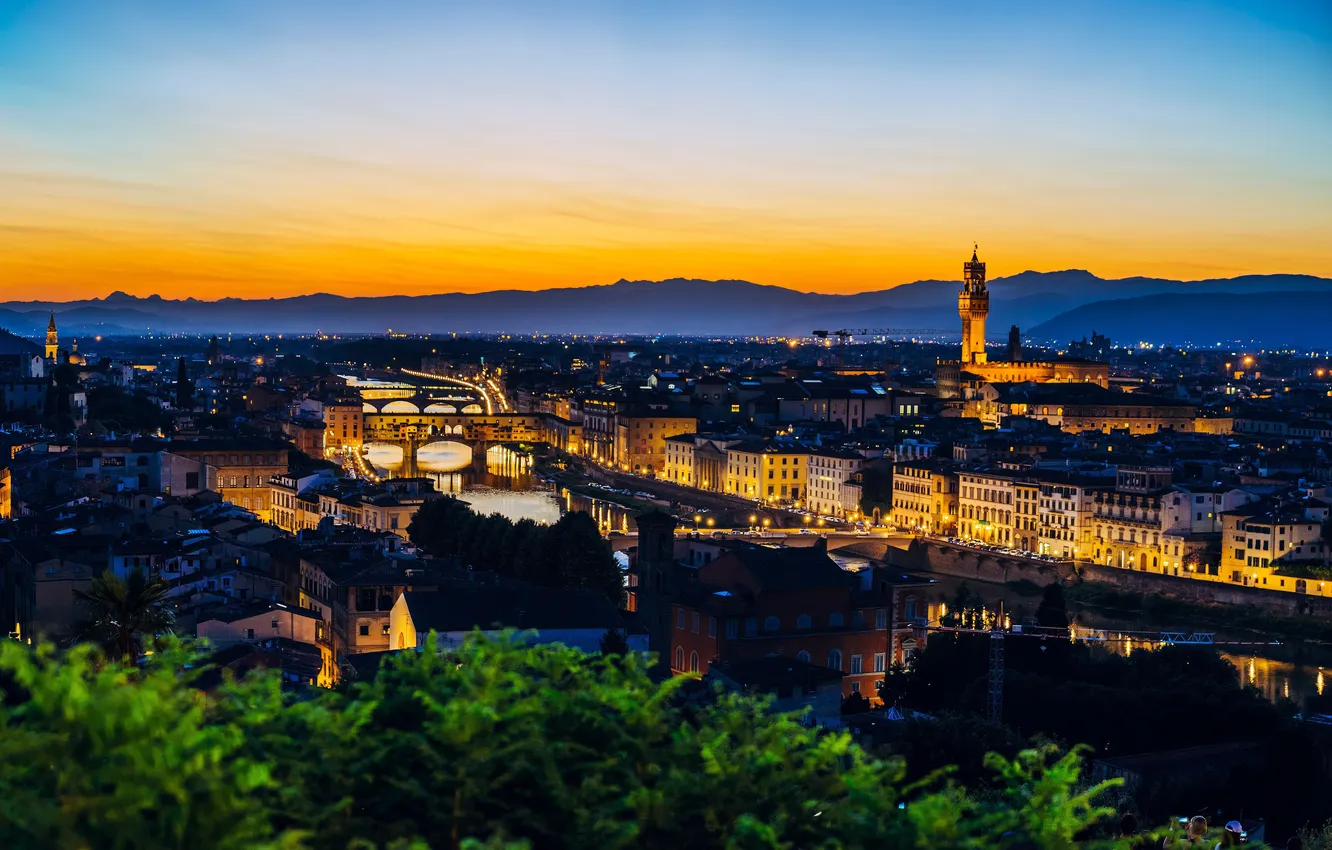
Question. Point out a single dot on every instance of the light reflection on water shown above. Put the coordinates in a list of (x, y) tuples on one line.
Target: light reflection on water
[(1287, 670), (505, 485)]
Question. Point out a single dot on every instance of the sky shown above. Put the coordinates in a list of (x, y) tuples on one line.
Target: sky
[(214, 149)]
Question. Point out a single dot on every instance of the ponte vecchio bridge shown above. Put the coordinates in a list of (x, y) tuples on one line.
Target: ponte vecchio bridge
[(433, 409)]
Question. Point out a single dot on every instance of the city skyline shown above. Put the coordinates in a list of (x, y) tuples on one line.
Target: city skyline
[(236, 150)]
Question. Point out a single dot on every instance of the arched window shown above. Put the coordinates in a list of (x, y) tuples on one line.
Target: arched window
[(835, 659), (679, 658), (804, 621), (836, 620), (802, 655), (693, 662), (771, 624)]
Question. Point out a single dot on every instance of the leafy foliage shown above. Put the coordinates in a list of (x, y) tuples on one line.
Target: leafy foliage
[(497, 745), (97, 755)]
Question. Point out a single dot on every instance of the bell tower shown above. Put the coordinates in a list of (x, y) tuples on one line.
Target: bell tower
[(973, 305), (52, 341)]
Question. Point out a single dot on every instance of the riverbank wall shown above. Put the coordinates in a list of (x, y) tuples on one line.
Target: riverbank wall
[(925, 555)]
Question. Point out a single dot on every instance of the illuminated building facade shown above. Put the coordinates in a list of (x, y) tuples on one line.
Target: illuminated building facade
[(960, 378)]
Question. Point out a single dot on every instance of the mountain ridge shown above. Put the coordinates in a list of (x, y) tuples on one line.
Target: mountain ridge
[(673, 306)]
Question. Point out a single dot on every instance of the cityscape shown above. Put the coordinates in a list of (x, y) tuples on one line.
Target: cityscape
[(520, 466)]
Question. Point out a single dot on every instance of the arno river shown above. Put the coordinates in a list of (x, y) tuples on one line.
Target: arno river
[(1291, 669), (505, 484)]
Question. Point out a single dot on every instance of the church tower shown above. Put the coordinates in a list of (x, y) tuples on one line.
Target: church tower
[(52, 341), (973, 305)]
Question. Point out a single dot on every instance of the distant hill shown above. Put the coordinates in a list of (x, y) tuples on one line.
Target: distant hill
[(1272, 319), (1057, 304)]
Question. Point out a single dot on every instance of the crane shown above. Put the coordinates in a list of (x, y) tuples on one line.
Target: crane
[(846, 333)]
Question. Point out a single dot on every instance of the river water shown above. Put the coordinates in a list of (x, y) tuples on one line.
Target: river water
[(1294, 670), (504, 484)]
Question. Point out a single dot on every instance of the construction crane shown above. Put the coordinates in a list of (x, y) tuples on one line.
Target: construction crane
[(998, 632), (846, 333)]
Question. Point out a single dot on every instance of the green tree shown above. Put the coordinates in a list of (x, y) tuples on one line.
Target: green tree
[(105, 756), (122, 612), (584, 557), (497, 744)]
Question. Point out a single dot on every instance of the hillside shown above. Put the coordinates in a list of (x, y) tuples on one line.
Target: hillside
[(1059, 303)]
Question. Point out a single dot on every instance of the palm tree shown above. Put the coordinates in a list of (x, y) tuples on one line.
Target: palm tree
[(124, 610)]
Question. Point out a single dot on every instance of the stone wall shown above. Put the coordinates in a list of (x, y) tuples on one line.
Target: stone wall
[(1207, 592), (977, 565)]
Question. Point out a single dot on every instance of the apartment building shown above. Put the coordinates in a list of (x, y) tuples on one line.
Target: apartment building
[(925, 496), (830, 470)]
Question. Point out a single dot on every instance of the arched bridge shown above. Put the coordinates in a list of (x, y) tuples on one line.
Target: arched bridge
[(424, 403)]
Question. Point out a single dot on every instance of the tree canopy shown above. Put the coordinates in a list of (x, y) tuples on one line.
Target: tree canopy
[(496, 744), (571, 553)]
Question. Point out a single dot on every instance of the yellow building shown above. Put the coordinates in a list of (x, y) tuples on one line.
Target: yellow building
[(924, 496), (242, 469), (343, 426), (679, 468), (785, 475), (640, 439), (1256, 537), (744, 465)]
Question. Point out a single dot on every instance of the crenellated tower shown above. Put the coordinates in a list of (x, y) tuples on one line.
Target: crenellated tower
[(973, 305)]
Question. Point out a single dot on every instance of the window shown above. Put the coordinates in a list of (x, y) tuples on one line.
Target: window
[(751, 625), (910, 608), (855, 687), (804, 621), (679, 658), (364, 628), (836, 620), (802, 655), (693, 662), (384, 630), (857, 664), (835, 659), (275, 623), (732, 628), (771, 624), (249, 634), (679, 618), (712, 627), (693, 624), (880, 662)]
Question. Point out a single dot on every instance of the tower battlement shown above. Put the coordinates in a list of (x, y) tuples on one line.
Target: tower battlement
[(973, 305)]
